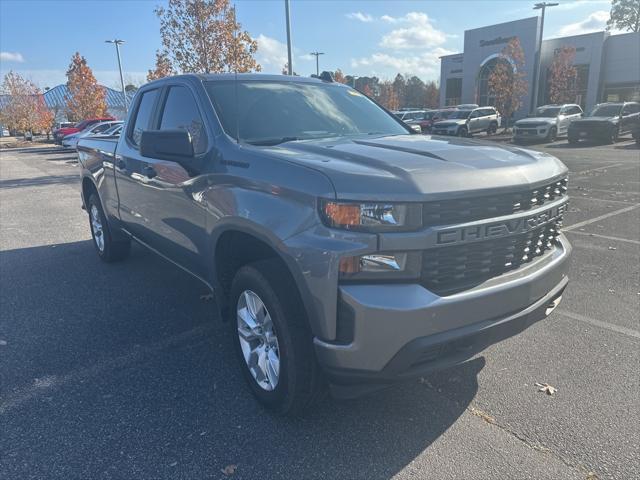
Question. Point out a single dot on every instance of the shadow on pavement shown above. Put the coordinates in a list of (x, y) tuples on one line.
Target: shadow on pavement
[(40, 181), (121, 371)]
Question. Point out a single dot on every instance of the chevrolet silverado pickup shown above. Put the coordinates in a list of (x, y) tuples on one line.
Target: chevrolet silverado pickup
[(345, 252)]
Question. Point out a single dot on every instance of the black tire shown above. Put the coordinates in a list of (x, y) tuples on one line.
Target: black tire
[(112, 250), (613, 135), (572, 140), (493, 128), (300, 381), (552, 135), (462, 132)]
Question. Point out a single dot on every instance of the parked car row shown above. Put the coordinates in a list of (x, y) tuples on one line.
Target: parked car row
[(68, 136), (60, 133)]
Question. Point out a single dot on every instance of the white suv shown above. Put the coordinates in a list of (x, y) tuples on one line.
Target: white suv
[(547, 123), (463, 123)]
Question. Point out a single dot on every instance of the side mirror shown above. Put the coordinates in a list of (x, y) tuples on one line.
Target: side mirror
[(173, 145)]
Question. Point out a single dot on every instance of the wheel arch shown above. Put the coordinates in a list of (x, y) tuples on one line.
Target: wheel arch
[(242, 238)]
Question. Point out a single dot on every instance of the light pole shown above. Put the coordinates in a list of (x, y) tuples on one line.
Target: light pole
[(117, 43), (317, 55), (289, 63), (536, 71)]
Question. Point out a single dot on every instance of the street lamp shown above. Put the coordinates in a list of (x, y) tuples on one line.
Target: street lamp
[(317, 54), (117, 43), (536, 71), (289, 64)]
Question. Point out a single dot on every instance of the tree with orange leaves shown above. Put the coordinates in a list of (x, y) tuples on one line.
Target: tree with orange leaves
[(507, 82), (25, 109), (164, 68), (338, 76), (203, 36), (388, 96), (562, 76), (86, 99)]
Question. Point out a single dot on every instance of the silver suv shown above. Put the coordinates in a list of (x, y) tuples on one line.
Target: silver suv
[(463, 123), (547, 123)]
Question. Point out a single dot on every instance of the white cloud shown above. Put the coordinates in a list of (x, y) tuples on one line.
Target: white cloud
[(580, 3), (595, 22), (426, 64), (11, 57), (272, 54), (361, 17), (419, 32)]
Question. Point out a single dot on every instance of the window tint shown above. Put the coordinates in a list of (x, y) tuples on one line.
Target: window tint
[(180, 111), (143, 115)]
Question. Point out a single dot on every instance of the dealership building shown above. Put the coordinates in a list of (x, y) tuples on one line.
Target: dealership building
[(608, 66)]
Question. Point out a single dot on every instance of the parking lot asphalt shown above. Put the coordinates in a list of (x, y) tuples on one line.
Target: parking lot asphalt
[(123, 371)]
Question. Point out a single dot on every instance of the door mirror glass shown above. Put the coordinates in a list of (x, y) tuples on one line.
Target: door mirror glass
[(174, 145)]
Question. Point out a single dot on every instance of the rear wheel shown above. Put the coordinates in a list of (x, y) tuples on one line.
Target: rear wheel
[(272, 338), (109, 250), (573, 140), (613, 135)]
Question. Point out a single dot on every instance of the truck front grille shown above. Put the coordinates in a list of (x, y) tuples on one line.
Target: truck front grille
[(448, 270), (448, 212)]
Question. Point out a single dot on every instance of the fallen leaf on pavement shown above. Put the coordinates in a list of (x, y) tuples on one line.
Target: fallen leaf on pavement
[(612, 248), (3, 342), (546, 388), (229, 470)]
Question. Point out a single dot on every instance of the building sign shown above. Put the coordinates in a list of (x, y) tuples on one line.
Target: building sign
[(458, 70), (496, 41)]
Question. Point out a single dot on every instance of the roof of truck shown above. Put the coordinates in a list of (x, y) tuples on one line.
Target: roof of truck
[(245, 77)]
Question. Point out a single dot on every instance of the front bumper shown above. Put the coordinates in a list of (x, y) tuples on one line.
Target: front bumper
[(405, 331), (537, 133)]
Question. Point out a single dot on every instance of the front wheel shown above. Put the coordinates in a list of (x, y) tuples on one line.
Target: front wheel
[(272, 338), (613, 135), (109, 250), (552, 135), (493, 128), (463, 132)]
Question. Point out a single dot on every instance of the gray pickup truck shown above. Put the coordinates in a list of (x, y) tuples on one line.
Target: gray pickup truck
[(344, 250)]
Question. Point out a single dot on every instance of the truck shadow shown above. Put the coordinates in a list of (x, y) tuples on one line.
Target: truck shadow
[(123, 371)]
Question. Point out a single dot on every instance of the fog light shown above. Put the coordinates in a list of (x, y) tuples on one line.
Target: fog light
[(381, 266)]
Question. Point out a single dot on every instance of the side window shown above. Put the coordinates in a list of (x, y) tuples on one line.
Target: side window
[(101, 128), (181, 111), (475, 114), (631, 108), (143, 115)]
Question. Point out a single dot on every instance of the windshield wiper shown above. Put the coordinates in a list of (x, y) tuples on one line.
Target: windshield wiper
[(263, 142)]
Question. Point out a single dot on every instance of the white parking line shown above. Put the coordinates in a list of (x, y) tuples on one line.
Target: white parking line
[(606, 237), (599, 323), (596, 169), (601, 217)]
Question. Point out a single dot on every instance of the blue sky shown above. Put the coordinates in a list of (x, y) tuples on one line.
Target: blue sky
[(38, 37)]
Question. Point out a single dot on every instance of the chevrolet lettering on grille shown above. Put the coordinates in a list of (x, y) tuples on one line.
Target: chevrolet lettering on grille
[(513, 226)]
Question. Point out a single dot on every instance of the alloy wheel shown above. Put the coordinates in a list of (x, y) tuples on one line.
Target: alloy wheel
[(96, 228), (258, 340)]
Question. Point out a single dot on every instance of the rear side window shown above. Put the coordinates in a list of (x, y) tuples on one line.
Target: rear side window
[(143, 115), (181, 111)]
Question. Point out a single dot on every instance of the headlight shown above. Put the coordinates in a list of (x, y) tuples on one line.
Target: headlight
[(381, 266), (371, 217)]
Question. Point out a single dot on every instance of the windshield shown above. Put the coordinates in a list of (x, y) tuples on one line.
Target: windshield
[(460, 114), (547, 112), (272, 112), (606, 111)]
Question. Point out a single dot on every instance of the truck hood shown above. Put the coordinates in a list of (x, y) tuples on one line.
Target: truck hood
[(587, 120), (536, 120), (419, 167)]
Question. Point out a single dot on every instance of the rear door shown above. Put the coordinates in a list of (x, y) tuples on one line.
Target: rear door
[(474, 121)]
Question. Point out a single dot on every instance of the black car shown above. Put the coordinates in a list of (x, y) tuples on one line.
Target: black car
[(606, 122)]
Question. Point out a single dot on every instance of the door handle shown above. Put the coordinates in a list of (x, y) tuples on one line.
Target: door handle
[(149, 171)]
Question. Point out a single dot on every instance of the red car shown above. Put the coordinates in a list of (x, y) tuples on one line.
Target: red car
[(60, 133), (429, 117)]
